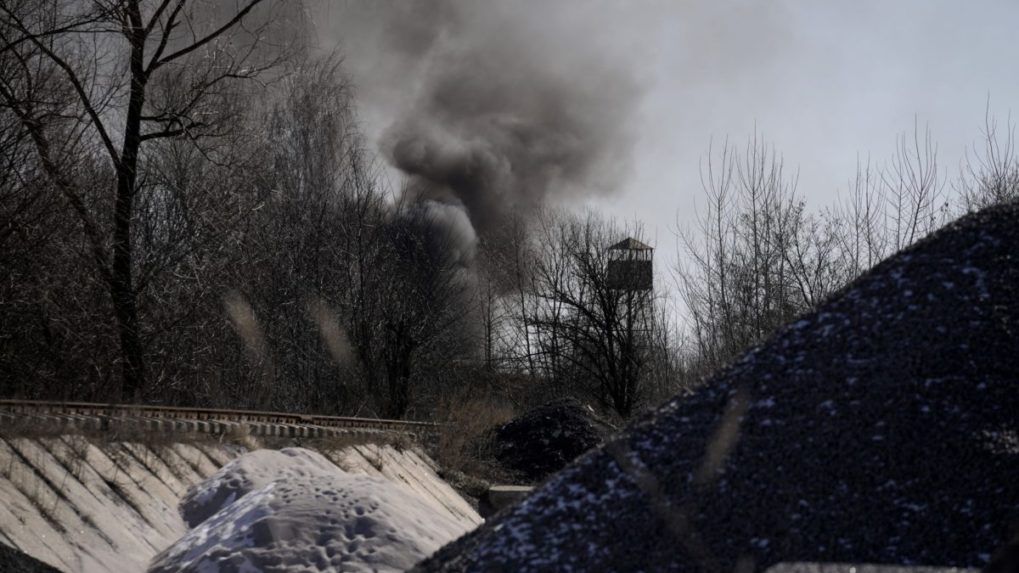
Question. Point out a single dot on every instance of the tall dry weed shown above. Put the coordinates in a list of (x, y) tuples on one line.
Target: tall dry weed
[(463, 443)]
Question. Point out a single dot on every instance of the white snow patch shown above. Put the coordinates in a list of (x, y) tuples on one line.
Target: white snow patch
[(314, 521), (248, 473), (115, 504)]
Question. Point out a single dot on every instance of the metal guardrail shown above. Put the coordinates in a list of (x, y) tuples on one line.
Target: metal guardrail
[(37, 407)]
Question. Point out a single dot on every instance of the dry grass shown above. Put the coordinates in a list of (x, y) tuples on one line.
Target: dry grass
[(463, 444), (374, 457)]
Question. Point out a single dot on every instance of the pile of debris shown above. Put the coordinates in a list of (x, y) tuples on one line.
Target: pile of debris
[(546, 439), (13, 560), (881, 428)]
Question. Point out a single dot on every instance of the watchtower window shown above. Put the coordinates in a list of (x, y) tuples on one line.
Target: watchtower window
[(630, 265)]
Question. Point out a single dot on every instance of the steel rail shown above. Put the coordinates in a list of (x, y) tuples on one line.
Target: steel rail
[(213, 414)]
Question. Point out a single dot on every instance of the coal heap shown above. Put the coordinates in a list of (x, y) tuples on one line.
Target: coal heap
[(882, 428), (13, 560), (546, 439)]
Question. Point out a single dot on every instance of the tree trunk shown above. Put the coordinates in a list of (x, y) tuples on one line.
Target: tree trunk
[(122, 277), (124, 299)]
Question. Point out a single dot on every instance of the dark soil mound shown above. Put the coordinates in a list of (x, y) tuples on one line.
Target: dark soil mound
[(13, 560), (883, 428), (546, 439)]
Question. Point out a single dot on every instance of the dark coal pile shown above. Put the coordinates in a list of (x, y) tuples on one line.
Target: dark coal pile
[(882, 428), (13, 560), (1006, 558), (861, 568), (546, 439)]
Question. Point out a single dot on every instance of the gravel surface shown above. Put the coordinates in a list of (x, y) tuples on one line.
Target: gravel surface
[(13, 560), (860, 568), (546, 439), (882, 428)]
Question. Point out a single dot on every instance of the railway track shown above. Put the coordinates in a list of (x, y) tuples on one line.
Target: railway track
[(95, 416)]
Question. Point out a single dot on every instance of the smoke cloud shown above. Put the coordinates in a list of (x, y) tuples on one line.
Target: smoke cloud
[(491, 109)]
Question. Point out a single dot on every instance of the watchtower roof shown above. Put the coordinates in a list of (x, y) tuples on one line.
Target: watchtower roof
[(630, 244)]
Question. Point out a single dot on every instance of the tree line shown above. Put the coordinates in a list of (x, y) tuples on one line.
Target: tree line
[(189, 214), (758, 257)]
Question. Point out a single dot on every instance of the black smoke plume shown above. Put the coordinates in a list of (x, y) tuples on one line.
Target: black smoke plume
[(492, 108)]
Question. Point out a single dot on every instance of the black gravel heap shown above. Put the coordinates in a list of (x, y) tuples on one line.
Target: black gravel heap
[(546, 439), (13, 560), (862, 568), (882, 428)]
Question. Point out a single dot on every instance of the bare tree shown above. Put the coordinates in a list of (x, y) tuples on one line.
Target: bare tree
[(760, 259), (859, 218), (135, 74), (589, 333), (914, 188), (991, 175), (427, 305)]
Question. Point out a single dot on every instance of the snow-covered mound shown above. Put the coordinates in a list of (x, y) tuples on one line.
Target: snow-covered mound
[(294, 510), (92, 504), (882, 428), (336, 522), (246, 474)]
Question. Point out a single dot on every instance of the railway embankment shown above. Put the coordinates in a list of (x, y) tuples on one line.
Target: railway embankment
[(100, 490)]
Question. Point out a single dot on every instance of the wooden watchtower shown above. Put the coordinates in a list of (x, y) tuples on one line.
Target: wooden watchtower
[(630, 266)]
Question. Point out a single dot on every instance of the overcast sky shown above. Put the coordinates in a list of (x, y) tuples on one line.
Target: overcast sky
[(823, 81)]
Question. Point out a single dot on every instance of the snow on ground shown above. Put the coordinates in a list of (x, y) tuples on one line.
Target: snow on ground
[(246, 474), (293, 510), (94, 505)]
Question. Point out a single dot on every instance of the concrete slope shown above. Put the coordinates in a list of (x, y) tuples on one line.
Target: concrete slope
[(87, 505), (882, 428)]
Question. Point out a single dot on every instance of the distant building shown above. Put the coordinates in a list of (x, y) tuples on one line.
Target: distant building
[(630, 273), (630, 267)]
